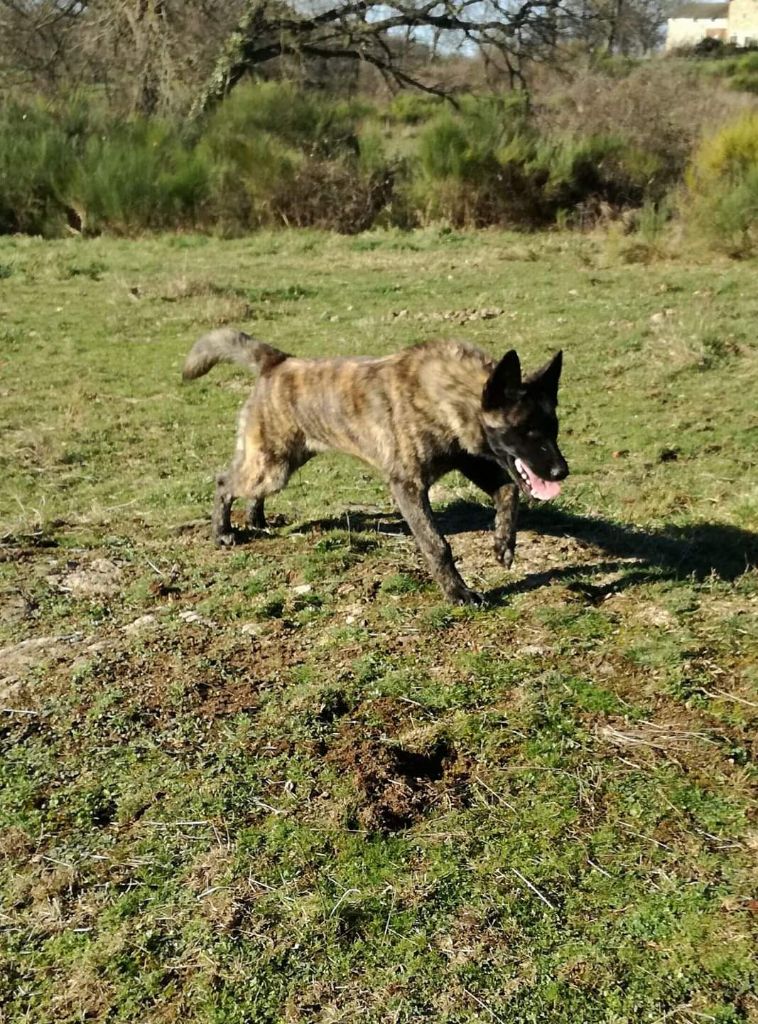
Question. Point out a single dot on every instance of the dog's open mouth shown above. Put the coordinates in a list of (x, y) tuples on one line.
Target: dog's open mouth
[(535, 486)]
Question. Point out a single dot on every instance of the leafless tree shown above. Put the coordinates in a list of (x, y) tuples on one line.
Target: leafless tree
[(167, 56), (35, 37), (148, 55), (378, 33), (626, 27)]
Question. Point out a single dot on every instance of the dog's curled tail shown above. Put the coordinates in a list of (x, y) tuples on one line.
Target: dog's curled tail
[(226, 345)]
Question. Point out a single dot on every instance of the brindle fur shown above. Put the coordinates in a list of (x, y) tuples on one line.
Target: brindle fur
[(414, 416)]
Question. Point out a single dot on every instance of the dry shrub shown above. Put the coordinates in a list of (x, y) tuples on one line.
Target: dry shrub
[(662, 108), (333, 196)]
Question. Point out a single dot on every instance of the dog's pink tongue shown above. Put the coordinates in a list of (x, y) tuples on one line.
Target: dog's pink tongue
[(542, 489)]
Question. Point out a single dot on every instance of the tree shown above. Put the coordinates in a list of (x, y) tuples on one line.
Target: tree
[(36, 39), (378, 34), (147, 55)]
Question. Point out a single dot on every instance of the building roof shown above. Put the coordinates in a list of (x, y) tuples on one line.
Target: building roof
[(699, 11)]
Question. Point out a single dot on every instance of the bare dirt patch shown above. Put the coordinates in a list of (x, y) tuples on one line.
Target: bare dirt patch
[(18, 659), (99, 578), (396, 783)]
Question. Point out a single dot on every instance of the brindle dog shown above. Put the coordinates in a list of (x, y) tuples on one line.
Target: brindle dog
[(414, 416)]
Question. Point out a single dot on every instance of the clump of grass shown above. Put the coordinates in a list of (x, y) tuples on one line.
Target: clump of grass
[(413, 108)]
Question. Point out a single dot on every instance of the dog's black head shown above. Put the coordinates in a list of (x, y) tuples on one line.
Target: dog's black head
[(521, 425)]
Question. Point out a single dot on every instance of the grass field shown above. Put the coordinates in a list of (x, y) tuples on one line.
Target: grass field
[(285, 782)]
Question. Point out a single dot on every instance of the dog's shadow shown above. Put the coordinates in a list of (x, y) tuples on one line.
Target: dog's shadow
[(698, 552)]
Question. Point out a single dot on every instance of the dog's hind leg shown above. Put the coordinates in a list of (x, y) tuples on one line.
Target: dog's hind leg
[(256, 515), (253, 475), (496, 482), (413, 502), (221, 518)]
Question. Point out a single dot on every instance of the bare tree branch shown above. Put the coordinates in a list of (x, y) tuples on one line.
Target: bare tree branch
[(363, 30)]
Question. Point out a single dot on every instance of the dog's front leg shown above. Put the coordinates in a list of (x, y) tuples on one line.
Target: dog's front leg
[(496, 482), (413, 502), (505, 500)]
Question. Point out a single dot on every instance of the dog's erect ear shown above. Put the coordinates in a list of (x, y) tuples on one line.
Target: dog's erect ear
[(503, 383), (548, 378)]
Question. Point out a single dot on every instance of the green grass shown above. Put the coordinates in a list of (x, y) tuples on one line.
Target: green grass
[(286, 782)]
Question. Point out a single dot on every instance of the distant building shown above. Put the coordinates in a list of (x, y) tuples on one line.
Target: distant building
[(733, 22)]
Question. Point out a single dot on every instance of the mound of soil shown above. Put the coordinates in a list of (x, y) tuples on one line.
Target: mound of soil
[(397, 785)]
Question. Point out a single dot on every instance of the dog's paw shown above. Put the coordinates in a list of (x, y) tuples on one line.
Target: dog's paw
[(465, 596), (224, 540), (504, 556)]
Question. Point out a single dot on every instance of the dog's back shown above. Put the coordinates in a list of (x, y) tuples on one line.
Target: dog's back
[(403, 408)]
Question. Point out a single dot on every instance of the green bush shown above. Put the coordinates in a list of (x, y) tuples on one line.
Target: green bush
[(460, 175), (138, 176), (486, 164), (269, 139), (732, 216), (307, 122), (36, 161), (721, 199), (413, 107), (272, 154)]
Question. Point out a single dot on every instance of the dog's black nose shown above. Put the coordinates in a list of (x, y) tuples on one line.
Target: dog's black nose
[(560, 471)]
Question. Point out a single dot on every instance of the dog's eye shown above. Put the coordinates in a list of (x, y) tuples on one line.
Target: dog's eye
[(533, 435)]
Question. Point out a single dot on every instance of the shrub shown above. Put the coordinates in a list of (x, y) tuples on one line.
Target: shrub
[(270, 143), (35, 164), (726, 156), (660, 110), (481, 167), (332, 196), (138, 176), (413, 107), (722, 187), (460, 174), (310, 123), (744, 77), (273, 154)]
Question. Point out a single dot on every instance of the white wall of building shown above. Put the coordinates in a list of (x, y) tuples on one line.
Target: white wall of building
[(688, 31), (742, 25)]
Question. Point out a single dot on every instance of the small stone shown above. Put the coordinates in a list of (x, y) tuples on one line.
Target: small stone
[(193, 617), (143, 622), (534, 649)]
